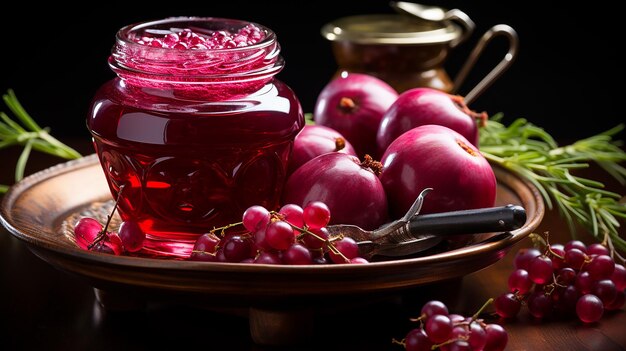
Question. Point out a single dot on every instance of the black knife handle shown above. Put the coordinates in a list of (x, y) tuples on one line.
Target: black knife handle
[(482, 220)]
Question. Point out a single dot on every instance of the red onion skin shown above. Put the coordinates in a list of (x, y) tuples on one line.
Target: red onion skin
[(353, 194), (420, 106), (433, 156), (371, 97), (315, 140)]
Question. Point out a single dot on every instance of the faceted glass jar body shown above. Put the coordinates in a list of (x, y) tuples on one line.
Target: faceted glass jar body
[(193, 137)]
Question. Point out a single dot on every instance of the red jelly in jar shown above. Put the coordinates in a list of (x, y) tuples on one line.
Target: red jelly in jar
[(195, 127)]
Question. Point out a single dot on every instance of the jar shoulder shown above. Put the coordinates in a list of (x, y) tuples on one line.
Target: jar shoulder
[(119, 112)]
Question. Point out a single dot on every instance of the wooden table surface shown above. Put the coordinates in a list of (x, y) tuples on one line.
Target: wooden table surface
[(42, 308)]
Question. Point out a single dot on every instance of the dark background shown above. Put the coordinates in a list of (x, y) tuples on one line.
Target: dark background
[(568, 77)]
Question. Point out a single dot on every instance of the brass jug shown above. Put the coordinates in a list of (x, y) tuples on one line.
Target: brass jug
[(408, 51)]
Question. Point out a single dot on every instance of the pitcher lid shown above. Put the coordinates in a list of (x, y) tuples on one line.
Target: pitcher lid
[(390, 29)]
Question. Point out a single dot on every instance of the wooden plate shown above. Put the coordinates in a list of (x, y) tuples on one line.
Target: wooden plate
[(36, 208)]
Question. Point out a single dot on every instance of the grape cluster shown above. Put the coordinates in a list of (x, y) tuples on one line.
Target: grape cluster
[(91, 235), (441, 330), (563, 280), (291, 236)]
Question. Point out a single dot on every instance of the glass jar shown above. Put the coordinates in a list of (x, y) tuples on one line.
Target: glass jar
[(193, 135)]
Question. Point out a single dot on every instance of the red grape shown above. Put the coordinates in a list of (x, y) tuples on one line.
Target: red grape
[(260, 240), (316, 214), (103, 247), (557, 255), (293, 214), (619, 277), (589, 308), (313, 242), (540, 269), (454, 317), (524, 256), (279, 235), (438, 328), (268, 257), (434, 307), (540, 304), (597, 249), (115, 242), (520, 281), (207, 242), (507, 305), (600, 267), (132, 235), (255, 217), (236, 248), (477, 336), (569, 298), (496, 338), (297, 254), (205, 247), (605, 290), (416, 340), (575, 258), (86, 230), (584, 282), (348, 249), (566, 275), (576, 244)]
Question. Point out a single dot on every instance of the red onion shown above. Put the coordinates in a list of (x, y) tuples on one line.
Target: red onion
[(353, 104), (433, 156), (315, 140), (350, 188), (420, 106)]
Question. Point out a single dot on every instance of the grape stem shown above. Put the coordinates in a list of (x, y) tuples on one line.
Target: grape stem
[(398, 342), (304, 230), (223, 229), (475, 316), (103, 232), (449, 341)]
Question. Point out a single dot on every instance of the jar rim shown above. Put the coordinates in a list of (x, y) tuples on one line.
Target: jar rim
[(123, 34), (259, 60), (390, 29)]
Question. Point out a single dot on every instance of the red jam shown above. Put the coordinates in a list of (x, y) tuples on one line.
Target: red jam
[(184, 39), (195, 129)]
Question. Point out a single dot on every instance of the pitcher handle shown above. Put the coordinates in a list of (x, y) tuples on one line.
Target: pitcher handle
[(496, 72), (466, 23)]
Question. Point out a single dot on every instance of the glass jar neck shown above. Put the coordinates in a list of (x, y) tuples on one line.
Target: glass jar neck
[(222, 71)]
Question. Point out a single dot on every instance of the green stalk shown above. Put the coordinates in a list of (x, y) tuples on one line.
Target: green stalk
[(532, 153), (24, 131)]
